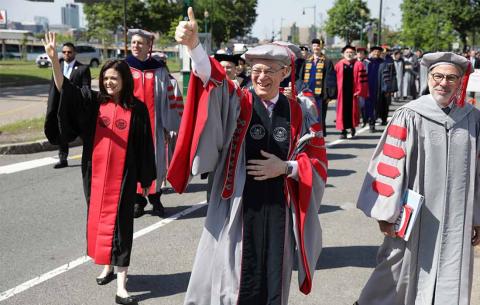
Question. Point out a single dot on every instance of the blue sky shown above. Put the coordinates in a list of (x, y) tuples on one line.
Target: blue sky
[(271, 13)]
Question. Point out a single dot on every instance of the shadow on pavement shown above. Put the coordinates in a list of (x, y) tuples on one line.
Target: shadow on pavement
[(156, 286), (339, 156), (355, 145), (340, 172), (325, 208), (192, 188), (350, 256)]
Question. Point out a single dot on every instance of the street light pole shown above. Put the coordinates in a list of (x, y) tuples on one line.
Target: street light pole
[(205, 14), (314, 7), (380, 24), (125, 27)]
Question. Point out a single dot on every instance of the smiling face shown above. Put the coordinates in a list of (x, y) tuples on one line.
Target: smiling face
[(266, 77), (375, 53), (443, 90), (112, 82), (317, 49), (140, 47), (229, 68), (349, 54)]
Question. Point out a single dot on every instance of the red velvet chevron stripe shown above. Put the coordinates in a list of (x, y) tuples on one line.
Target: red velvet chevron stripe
[(398, 132), (382, 188), (388, 170), (393, 151)]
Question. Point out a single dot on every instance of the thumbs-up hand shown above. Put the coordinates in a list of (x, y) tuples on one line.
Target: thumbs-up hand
[(187, 31)]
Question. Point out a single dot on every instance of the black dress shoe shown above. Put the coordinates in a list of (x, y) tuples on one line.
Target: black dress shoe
[(61, 164), (125, 301), (158, 210), (106, 279), (138, 210)]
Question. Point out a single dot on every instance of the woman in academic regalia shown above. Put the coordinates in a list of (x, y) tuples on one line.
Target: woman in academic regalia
[(117, 153)]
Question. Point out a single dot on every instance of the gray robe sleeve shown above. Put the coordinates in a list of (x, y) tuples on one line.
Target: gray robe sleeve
[(387, 176), (476, 200), (222, 114)]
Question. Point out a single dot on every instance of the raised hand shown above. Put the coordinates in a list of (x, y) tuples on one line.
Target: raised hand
[(187, 31), (50, 46)]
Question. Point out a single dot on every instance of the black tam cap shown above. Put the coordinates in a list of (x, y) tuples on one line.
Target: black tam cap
[(227, 57), (376, 48), (348, 47), (317, 41)]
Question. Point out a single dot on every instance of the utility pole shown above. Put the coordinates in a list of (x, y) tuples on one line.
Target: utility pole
[(125, 30), (380, 24)]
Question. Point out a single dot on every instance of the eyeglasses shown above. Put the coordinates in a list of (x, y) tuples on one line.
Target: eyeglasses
[(67, 52), (451, 78), (268, 72)]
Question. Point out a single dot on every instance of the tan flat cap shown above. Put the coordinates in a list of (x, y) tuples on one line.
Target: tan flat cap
[(432, 60), (272, 51)]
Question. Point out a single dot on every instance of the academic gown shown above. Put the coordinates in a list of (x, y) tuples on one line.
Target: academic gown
[(351, 80), (399, 68), (409, 87), (436, 155), (388, 84), (153, 85), (374, 88), (218, 129), (117, 154)]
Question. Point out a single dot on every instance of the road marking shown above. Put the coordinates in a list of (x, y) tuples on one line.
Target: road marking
[(18, 167), (22, 166), (82, 260), (330, 144)]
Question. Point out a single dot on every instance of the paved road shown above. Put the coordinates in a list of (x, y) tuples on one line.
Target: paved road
[(42, 220)]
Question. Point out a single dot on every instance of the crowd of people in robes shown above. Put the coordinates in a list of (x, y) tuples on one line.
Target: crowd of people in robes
[(254, 123)]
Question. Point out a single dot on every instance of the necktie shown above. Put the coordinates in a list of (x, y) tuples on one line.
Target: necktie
[(269, 105), (446, 110), (66, 70)]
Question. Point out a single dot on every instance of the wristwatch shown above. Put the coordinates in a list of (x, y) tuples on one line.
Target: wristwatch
[(288, 169)]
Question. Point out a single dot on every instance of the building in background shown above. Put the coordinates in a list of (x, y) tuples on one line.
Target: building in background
[(71, 15), (42, 21), (303, 35)]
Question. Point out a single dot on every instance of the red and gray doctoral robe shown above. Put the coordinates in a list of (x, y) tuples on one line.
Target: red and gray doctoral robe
[(350, 87), (212, 139), (155, 87), (437, 156), (117, 154)]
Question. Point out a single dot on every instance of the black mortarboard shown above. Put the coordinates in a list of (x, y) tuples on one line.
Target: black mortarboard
[(349, 47)]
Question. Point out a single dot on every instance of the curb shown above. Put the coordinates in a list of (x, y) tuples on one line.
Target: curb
[(32, 147)]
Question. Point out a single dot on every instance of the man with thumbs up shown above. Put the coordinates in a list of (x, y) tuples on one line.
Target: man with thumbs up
[(269, 167)]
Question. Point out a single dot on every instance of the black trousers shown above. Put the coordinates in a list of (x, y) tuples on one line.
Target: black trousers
[(63, 151), (263, 248)]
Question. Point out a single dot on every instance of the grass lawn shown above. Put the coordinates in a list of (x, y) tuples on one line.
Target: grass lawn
[(22, 131), (24, 73)]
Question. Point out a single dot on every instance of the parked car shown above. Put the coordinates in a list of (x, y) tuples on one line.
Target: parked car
[(85, 54)]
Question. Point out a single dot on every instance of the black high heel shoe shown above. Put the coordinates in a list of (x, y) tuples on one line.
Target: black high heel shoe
[(125, 301), (106, 279)]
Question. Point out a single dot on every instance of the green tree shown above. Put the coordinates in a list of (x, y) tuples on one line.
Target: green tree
[(347, 19), (105, 18), (424, 26), (435, 24), (227, 19), (464, 16)]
